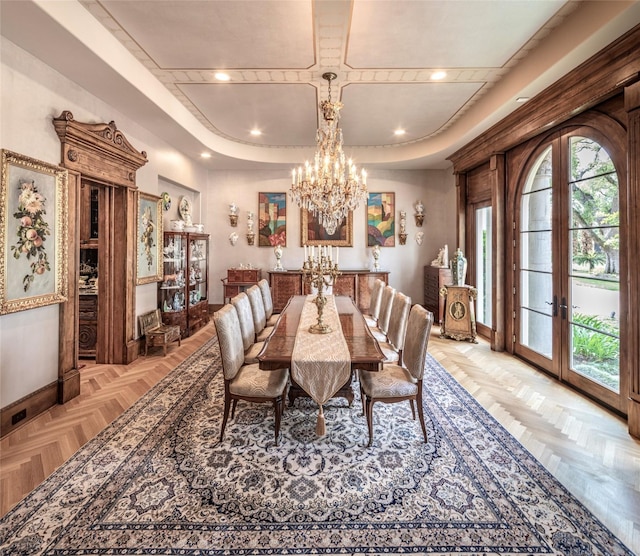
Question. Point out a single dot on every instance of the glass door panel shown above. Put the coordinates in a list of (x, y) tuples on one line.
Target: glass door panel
[(536, 312), (536, 293), (594, 280), (484, 257)]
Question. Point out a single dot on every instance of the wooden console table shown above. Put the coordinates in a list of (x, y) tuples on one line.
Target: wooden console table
[(239, 280), (357, 284)]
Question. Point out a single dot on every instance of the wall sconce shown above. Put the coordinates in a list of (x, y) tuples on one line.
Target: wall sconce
[(233, 214), (419, 214), (251, 236), (403, 227)]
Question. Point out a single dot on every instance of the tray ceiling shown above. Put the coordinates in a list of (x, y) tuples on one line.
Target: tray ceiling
[(156, 61)]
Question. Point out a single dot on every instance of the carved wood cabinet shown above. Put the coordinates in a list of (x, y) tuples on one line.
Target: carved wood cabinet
[(183, 292), (88, 324), (356, 284), (239, 280), (434, 278), (459, 318)]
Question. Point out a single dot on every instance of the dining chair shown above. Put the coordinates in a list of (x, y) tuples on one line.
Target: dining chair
[(380, 331), (265, 289), (246, 382), (374, 304), (394, 345), (242, 306), (397, 383), (259, 316)]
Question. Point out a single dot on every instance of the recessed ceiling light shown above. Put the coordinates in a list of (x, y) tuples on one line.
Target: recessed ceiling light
[(205, 155), (399, 132), (437, 75), (221, 76), (256, 132), (522, 99)]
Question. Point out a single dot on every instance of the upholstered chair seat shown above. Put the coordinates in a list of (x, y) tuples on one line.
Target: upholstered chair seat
[(397, 383), (246, 382), (265, 290), (252, 381), (242, 306), (391, 354)]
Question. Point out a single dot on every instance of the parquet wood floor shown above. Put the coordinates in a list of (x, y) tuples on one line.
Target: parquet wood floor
[(585, 446)]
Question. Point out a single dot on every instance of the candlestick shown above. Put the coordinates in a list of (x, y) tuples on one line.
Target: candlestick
[(320, 273)]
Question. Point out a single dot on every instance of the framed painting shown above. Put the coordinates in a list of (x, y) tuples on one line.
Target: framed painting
[(149, 239), (272, 218), (313, 233), (33, 233), (381, 227)]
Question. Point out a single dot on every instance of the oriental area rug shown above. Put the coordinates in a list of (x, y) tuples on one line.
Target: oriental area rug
[(158, 481)]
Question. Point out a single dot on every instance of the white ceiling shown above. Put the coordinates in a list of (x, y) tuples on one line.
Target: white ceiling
[(155, 60)]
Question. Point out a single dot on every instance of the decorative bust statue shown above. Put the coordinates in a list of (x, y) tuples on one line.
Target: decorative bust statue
[(419, 215), (442, 260)]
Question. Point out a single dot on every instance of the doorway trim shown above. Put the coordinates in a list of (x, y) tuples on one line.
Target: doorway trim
[(100, 152), (611, 135)]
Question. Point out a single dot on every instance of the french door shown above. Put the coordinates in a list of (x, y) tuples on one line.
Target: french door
[(567, 271), (483, 271)]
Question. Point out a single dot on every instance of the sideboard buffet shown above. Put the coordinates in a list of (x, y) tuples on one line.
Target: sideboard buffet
[(239, 280), (357, 284)]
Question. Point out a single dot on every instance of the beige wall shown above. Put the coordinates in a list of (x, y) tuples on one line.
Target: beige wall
[(435, 189), (31, 94)]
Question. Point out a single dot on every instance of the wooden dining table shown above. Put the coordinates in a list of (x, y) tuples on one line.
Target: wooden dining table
[(363, 347)]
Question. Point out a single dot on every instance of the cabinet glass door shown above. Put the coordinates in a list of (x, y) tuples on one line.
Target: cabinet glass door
[(197, 270), (171, 291)]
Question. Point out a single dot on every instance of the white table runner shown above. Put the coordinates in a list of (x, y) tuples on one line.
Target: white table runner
[(320, 363)]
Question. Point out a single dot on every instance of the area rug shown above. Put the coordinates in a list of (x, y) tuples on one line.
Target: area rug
[(158, 481)]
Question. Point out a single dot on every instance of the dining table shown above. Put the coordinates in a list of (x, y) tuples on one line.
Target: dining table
[(362, 350)]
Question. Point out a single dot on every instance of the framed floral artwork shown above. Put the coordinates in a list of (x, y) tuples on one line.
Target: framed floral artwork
[(272, 218), (149, 239), (381, 227), (33, 233), (313, 233)]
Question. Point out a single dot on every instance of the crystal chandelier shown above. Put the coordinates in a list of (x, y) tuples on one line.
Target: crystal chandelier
[(331, 186)]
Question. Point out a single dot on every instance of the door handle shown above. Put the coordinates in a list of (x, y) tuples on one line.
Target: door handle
[(563, 306)]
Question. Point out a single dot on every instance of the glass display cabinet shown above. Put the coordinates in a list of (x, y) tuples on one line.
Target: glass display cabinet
[(197, 289), (183, 291), (171, 291)]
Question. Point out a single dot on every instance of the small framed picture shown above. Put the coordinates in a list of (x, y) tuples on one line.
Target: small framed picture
[(33, 233), (313, 233), (149, 239), (272, 218), (381, 227)]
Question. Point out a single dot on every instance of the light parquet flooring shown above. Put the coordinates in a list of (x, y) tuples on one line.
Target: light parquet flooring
[(32, 452), (585, 446)]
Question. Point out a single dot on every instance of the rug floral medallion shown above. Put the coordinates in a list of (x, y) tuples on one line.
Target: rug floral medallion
[(159, 481)]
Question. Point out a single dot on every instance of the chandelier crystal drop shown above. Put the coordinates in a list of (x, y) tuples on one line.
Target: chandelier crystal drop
[(331, 186)]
